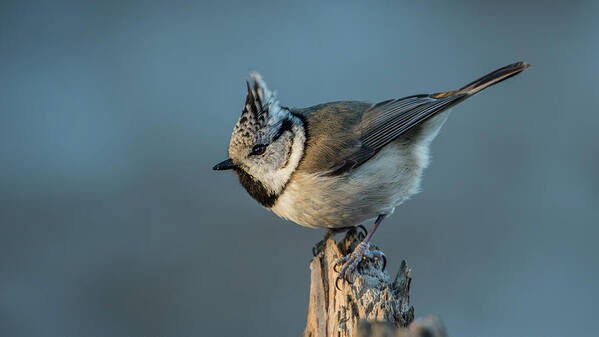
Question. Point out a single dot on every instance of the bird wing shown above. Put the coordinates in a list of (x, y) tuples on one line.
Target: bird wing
[(362, 131), (388, 120)]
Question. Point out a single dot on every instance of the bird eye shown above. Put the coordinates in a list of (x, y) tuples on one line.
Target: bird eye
[(259, 149)]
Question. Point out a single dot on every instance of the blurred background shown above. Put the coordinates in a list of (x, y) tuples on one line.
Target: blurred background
[(112, 222)]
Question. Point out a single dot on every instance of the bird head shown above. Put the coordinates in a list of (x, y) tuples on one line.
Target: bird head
[(266, 145)]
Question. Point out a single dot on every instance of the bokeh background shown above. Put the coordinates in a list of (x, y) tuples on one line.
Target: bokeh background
[(113, 113)]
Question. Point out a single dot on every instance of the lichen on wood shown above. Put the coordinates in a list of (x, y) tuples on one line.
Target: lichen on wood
[(372, 297)]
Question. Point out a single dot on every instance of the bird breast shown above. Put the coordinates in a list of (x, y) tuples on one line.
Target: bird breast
[(376, 187)]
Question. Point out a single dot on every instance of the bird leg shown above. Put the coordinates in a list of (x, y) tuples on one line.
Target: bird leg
[(331, 232), (351, 261)]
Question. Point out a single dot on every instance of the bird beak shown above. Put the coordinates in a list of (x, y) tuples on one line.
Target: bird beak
[(224, 165)]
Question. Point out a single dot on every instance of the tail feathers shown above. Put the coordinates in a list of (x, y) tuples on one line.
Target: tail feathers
[(487, 80)]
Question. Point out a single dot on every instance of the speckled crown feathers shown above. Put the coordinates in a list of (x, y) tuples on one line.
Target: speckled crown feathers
[(261, 108)]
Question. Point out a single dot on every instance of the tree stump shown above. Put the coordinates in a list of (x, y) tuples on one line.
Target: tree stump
[(373, 306)]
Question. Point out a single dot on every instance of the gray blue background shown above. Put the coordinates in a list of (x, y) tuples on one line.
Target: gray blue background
[(112, 114)]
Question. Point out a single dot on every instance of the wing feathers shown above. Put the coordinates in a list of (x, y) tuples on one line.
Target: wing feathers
[(387, 125), (384, 122)]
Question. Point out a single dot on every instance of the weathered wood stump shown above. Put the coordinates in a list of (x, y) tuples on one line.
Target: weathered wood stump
[(373, 306)]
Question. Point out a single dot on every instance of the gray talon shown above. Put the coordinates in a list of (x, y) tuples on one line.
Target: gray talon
[(351, 261)]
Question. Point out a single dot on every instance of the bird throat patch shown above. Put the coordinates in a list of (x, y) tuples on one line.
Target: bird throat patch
[(256, 189)]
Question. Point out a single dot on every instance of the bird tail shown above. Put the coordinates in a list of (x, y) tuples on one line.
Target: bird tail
[(490, 79)]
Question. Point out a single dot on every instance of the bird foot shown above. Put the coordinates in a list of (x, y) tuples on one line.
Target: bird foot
[(317, 248), (350, 262)]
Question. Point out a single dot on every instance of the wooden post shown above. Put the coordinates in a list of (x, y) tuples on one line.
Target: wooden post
[(375, 305)]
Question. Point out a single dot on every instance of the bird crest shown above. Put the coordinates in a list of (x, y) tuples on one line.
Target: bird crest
[(261, 110)]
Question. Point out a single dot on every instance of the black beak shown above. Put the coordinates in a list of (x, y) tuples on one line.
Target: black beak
[(224, 165)]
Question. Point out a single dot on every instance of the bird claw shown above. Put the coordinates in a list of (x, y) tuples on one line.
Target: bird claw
[(350, 262), (332, 231), (363, 229)]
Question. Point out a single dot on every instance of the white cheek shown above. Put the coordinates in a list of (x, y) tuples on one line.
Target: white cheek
[(276, 173)]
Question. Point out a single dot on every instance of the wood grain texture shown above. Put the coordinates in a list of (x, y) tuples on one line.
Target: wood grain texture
[(373, 297)]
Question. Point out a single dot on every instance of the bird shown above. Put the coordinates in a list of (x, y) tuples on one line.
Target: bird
[(337, 165)]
